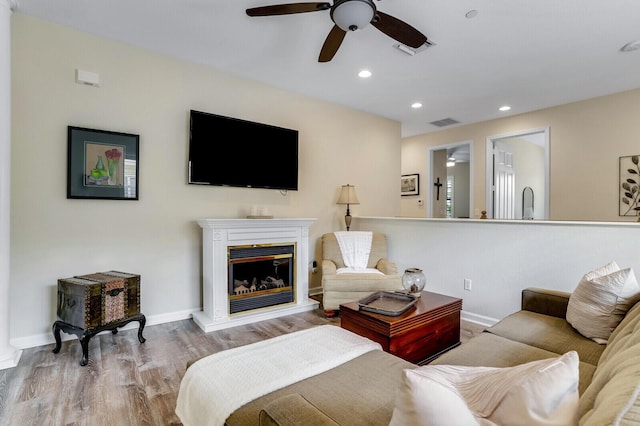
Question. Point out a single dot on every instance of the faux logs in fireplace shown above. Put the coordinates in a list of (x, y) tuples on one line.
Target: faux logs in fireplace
[(260, 276)]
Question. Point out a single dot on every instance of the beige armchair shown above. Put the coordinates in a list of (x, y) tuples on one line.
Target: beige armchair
[(348, 287)]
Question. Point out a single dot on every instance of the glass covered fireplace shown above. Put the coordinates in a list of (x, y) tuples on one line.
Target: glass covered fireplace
[(218, 236), (261, 275)]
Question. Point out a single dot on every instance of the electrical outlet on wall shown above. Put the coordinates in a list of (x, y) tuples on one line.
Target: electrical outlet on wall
[(467, 284)]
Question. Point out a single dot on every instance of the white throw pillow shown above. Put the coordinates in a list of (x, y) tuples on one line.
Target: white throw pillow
[(601, 300), (541, 392)]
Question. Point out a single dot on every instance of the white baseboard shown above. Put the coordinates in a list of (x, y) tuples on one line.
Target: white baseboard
[(313, 291), (11, 360), (478, 319), (47, 338)]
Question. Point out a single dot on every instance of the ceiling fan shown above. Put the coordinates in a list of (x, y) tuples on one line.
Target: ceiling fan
[(348, 15)]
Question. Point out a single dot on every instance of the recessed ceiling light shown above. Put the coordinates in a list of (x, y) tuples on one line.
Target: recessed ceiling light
[(364, 74), (416, 105), (630, 47), (471, 14), (504, 108)]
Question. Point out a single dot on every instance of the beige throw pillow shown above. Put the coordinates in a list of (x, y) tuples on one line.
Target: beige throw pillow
[(541, 392), (601, 300)]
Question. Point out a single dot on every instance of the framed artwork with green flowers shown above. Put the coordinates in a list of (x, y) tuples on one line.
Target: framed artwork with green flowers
[(102, 164)]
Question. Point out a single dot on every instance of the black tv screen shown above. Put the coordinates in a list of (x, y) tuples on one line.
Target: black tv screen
[(227, 151)]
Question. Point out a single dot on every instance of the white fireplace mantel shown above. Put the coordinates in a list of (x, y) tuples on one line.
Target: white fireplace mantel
[(217, 236)]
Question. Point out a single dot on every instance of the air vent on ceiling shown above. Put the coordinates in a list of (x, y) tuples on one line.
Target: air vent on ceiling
[(444, 122), (412, 51)]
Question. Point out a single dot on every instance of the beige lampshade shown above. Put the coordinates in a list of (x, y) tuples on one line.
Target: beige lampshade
[(348, 195)]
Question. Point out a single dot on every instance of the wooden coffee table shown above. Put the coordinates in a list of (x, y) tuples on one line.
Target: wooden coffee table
[(425, 331)]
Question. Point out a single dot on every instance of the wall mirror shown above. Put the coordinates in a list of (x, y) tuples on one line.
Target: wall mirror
[(449, 188), (528, 205), (513, 162)]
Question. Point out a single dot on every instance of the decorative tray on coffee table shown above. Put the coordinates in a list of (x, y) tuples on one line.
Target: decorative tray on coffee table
[(387, 303)]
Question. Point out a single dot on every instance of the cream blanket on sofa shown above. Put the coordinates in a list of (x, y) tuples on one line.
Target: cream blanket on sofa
[(215, 386)]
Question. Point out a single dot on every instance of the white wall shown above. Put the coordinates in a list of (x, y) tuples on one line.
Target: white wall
[(503, 257), (157, 237)]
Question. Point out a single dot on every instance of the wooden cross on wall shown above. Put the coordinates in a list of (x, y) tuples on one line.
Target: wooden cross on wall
[(437, 184)]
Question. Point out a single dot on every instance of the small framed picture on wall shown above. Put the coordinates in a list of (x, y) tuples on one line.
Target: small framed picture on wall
[(409, 184), (102, 164)]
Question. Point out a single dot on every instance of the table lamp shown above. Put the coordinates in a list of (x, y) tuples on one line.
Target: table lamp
[(348, 196)]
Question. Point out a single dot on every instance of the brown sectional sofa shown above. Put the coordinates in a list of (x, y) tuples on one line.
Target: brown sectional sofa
[(538, 331), (362, 391)]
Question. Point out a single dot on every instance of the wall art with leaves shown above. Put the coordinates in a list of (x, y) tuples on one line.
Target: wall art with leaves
[(630, 185)]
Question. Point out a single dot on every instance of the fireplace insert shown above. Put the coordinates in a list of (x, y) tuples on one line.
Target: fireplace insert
[(261, 275)]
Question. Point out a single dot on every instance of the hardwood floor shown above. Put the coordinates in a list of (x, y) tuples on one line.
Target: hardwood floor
[(125, 382)]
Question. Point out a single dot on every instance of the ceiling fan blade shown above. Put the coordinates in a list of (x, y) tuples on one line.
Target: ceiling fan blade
[(331, 44), (398, 30), (287, 9)]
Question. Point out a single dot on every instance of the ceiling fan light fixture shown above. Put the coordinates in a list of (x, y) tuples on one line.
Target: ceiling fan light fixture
[(348, 15), (351, 15)]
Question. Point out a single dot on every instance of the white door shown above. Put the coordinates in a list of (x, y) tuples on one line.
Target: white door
[(504, 188)]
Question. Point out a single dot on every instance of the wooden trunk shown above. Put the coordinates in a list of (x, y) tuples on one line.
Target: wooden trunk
[(418, 335), (96, 300)]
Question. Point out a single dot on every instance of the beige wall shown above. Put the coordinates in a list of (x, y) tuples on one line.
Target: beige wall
[(529, 165), (439, 201), (414, 161), (148, 94), (586, 140)]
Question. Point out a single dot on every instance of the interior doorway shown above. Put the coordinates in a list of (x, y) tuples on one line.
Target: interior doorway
[(518, 164), (449, 181), (504, 174)]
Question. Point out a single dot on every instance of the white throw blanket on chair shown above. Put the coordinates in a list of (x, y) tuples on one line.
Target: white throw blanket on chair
[(355, 247), (217, 385)]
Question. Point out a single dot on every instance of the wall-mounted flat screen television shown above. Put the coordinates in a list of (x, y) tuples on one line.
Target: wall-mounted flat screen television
[(227, 151)]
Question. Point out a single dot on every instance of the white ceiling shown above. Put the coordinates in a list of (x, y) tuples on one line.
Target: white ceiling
[(528, 54)]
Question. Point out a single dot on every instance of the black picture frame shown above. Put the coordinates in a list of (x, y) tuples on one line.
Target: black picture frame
[(102, 164), (410, 184)]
